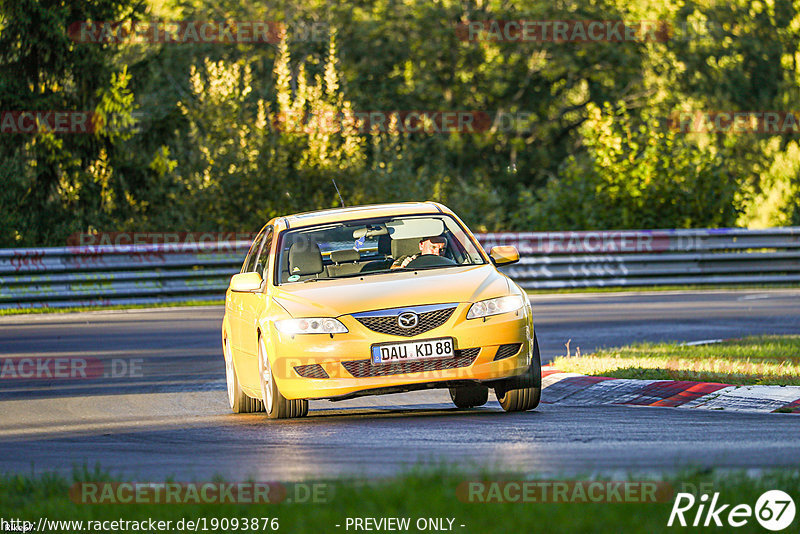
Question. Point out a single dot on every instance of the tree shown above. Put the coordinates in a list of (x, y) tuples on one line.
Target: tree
[(57, 184), (636, 174)]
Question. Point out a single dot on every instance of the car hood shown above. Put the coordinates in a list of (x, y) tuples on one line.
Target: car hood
[(333, 298)]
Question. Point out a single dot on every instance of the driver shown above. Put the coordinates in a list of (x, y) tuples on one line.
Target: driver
[(427, 245)]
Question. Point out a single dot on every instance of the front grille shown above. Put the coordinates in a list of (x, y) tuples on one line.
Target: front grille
[(506, 351), (311, 371), (388, 324), (364, 368)]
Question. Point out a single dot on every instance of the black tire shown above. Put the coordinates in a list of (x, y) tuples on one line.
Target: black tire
[(276, 405), (523, 392), (238, 400), (469, 396)]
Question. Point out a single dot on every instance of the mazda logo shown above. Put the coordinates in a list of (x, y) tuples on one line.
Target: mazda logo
[(407, 320)]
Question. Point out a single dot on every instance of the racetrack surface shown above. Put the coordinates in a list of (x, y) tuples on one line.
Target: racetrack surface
[(172, 418)]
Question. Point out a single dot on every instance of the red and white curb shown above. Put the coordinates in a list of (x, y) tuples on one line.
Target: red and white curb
[(572, 389)]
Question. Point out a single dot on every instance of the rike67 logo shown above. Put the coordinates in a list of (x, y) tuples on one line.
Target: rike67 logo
[(774, 510)]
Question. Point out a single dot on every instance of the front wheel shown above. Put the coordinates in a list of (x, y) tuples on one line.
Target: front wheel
[(523, 392), (276, 405), (237, 399)]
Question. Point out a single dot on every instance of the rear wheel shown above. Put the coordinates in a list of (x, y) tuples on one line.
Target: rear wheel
[(237, 399), (276, 405), (522, 393), (469, 396)]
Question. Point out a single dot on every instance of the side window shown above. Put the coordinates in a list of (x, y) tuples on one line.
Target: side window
[(263, 257), (250, 260)]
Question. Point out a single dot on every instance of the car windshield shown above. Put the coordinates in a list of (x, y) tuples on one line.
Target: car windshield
[(376, 246)]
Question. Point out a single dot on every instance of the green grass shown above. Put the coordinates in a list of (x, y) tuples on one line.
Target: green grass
[(414, 495), (765, 360), (14, 311)]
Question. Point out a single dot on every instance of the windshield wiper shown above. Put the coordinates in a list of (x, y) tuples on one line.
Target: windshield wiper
[(428, 268), (351, 275), (383, 271)]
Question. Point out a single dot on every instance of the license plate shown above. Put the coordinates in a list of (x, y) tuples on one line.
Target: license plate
[(427, 349)]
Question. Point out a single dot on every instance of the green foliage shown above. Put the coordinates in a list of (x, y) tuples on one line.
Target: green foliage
[(55, 184), (636, 174), (218, 136), (777, 203)]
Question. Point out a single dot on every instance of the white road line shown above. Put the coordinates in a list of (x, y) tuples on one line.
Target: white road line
[(701, 342)]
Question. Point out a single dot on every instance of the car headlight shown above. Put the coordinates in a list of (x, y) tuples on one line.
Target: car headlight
[(485, 308), (311, 325)]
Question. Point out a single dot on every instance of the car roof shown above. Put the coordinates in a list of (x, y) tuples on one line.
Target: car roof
[(333, 215)]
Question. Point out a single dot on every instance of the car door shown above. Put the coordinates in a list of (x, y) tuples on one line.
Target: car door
[(235, 301), (253, 304)]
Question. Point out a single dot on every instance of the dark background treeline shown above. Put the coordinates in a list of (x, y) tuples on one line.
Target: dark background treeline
[(207, 137)]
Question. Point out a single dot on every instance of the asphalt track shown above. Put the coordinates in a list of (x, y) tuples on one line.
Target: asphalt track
[(170, 417)]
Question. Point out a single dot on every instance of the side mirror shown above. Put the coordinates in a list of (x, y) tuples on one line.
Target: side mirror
[(504, 255), (246, 282)]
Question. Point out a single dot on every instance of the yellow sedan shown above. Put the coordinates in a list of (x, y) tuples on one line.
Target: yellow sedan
[(369, 300)]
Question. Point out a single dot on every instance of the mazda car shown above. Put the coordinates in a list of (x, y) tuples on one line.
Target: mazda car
[(370, 300)]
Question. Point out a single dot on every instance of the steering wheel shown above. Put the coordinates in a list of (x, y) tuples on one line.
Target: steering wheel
[(429, 260)]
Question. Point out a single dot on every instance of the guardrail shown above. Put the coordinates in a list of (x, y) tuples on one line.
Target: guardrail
[(109, 275), (554, 260), (145, 274)]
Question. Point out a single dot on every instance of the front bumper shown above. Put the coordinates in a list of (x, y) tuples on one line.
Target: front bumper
[(345, 358)]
